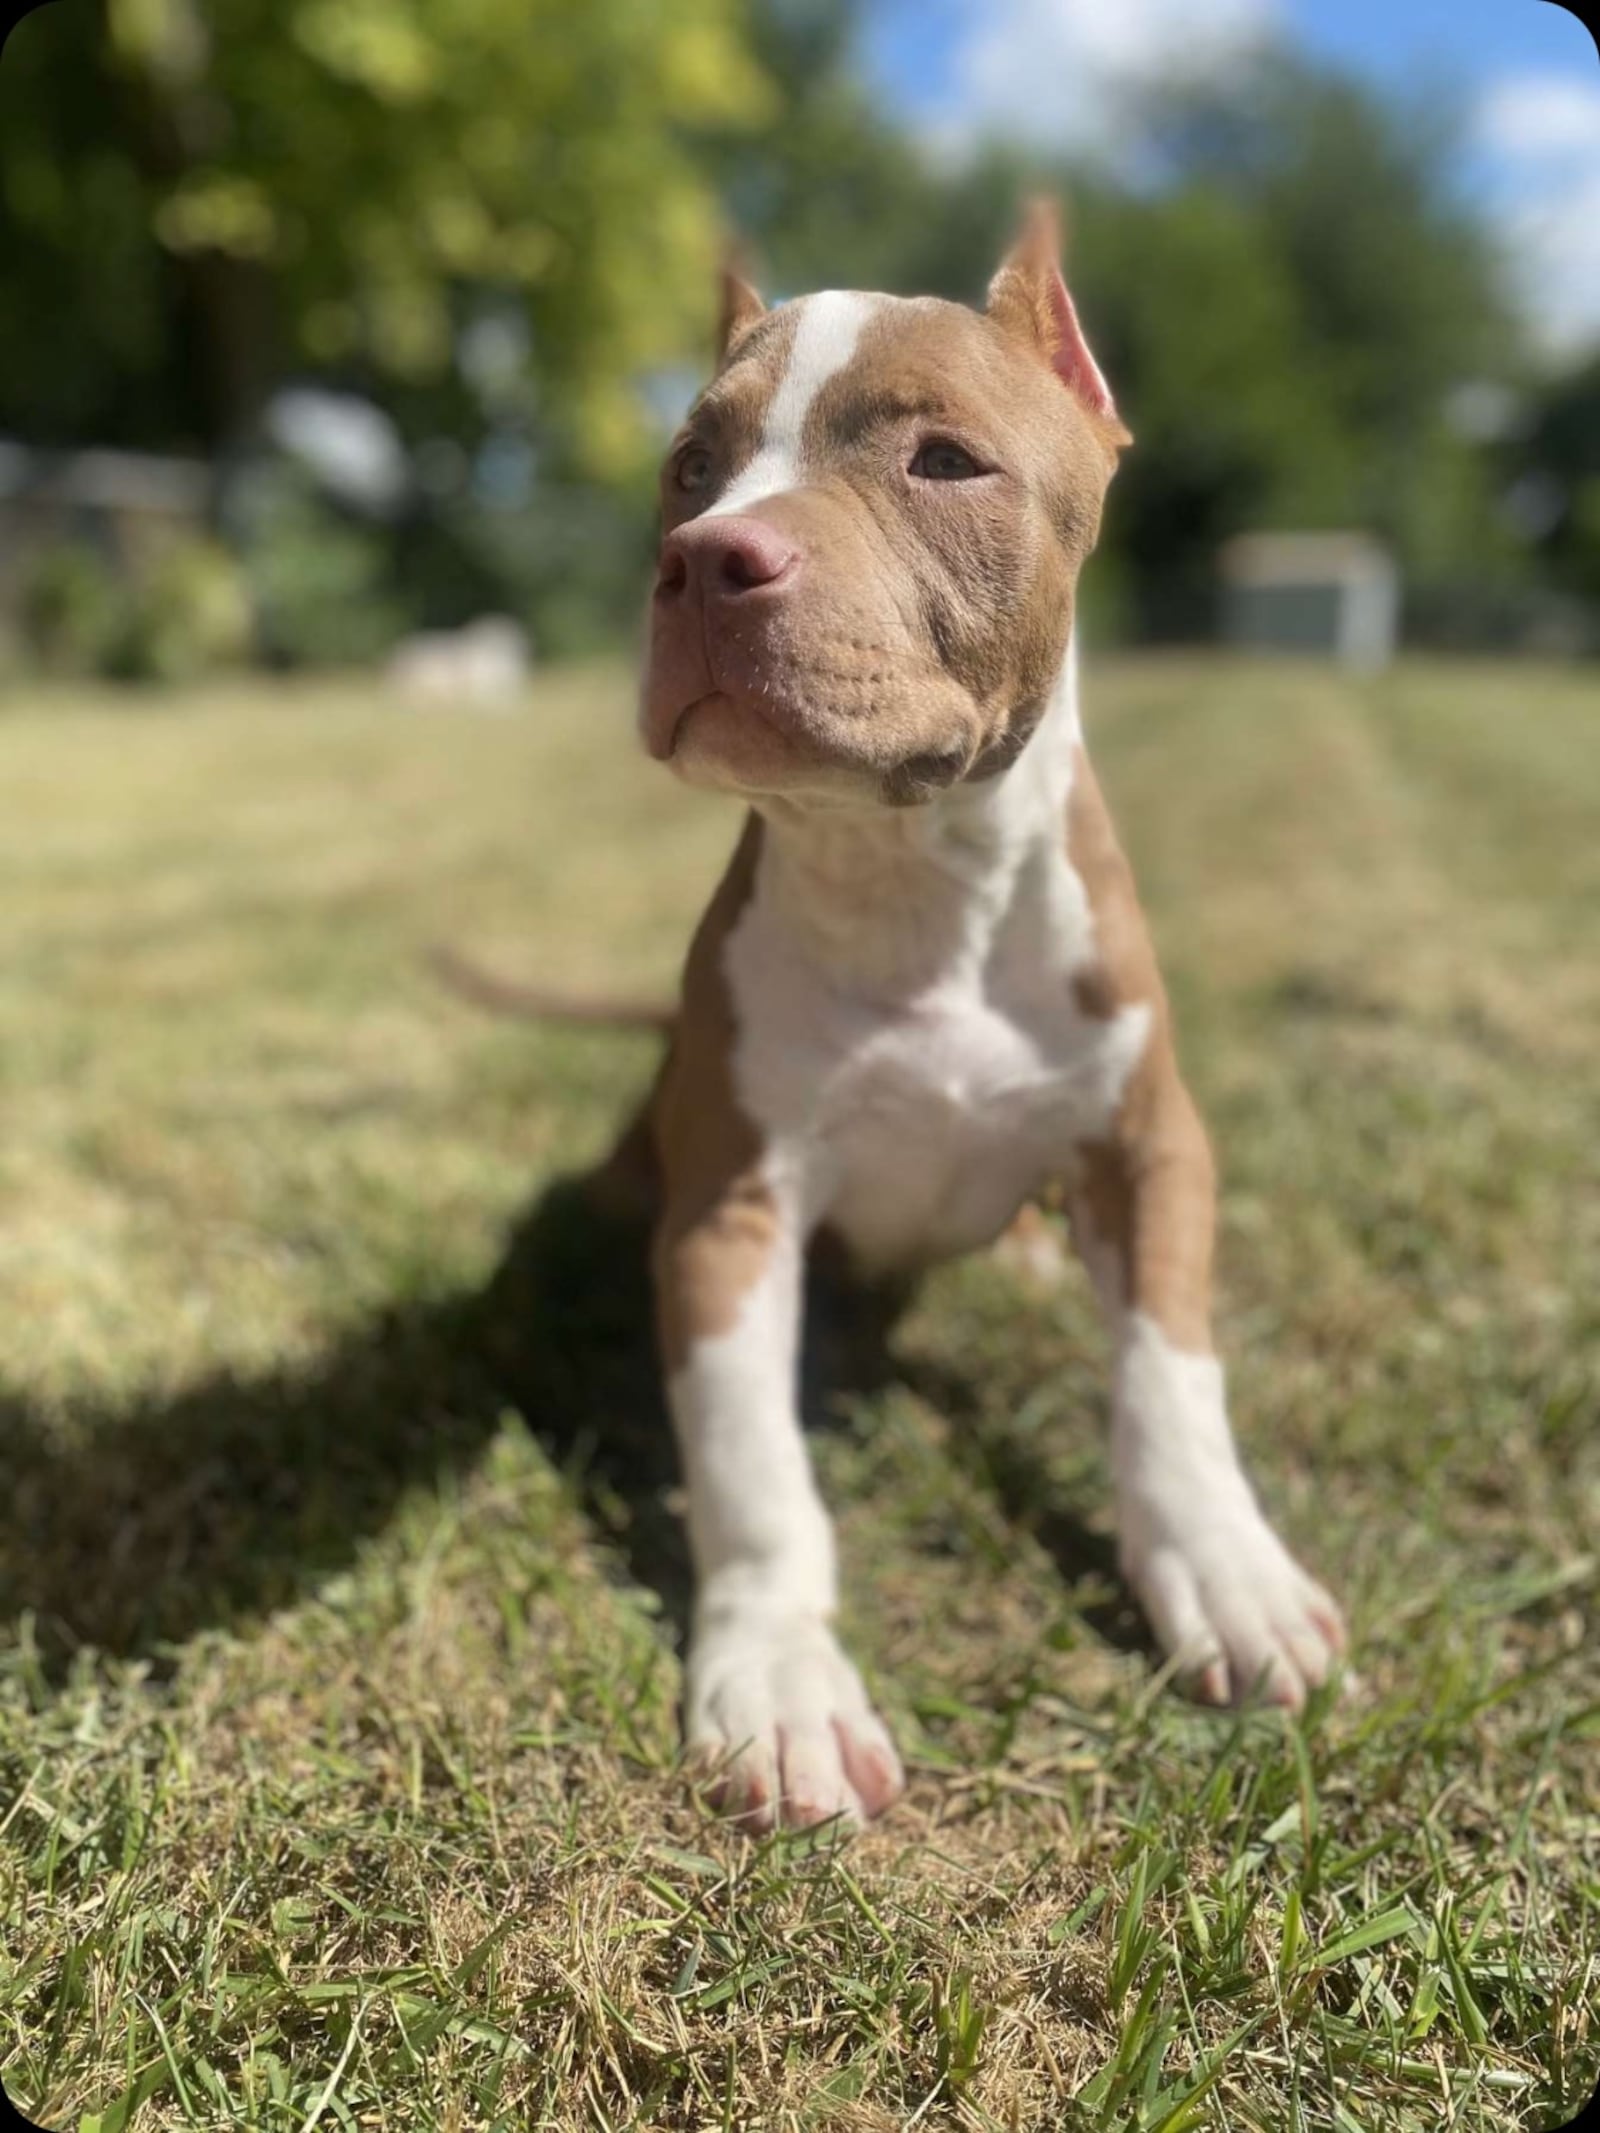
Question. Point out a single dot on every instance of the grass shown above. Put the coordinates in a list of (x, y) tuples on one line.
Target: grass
[(342, 1583)]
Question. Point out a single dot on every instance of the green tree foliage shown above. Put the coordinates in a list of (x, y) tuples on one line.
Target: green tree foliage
[(1562, 458), (1394, 297), (829, 193), (1200, 323), (197, 193), (92, 349)]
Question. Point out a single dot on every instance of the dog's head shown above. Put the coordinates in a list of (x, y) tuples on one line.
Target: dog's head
[(873, 522)]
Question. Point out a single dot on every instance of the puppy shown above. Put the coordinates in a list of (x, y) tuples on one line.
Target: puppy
[(924, 990)]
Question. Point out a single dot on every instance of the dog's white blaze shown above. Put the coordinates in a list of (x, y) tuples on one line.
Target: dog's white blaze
[(826, 333)]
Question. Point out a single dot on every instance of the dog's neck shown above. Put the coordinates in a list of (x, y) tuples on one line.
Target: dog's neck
[(893, 902)]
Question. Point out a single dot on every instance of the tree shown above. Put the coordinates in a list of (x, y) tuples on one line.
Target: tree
[(1559, 469), (1375, 294), (198, 193), (198, 197)]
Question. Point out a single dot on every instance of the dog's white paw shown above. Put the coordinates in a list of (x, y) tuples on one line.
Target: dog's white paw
[(780, 1724), (1224, 1596), (1227, 1600)]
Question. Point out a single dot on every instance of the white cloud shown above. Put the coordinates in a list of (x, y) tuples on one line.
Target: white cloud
[(1543, 116), (1055, 71), (1541, 133)]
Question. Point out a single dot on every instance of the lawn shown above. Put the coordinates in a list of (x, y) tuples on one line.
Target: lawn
[(342, 1585)]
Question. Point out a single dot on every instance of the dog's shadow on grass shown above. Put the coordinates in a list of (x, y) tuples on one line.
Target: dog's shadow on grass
[(131, 1530), (1012, 1468)]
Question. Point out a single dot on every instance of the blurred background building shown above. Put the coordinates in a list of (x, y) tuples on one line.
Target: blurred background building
[(337, 321), (1336, 595)]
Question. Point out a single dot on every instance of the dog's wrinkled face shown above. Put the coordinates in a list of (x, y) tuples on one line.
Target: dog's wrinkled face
[(873, 521)]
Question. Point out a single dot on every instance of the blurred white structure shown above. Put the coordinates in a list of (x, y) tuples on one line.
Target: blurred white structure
[(1333, 593), (351, 446), (486, 662)]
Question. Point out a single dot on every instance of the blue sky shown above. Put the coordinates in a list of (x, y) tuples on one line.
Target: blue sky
[(913, 44), (1525, 72)]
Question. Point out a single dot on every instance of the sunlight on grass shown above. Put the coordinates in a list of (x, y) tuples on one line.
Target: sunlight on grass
[(343, 1579)]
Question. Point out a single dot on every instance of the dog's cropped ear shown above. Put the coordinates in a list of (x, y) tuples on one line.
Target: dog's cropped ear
[(740, 306), (1028, 298)]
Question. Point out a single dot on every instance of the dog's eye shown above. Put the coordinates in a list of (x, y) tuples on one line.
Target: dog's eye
[(692, 472), (940, 460)]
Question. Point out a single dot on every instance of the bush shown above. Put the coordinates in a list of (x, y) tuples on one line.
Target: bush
[(184, 614), (70, 610), (187, 616), (319, 580)]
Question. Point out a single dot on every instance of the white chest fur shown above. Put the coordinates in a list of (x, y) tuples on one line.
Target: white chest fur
[(937, 1130), (909, 1044)]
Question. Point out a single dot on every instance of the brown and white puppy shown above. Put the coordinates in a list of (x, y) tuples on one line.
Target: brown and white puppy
[(924, 990)]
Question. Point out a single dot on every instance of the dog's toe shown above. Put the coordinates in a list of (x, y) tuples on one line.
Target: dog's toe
[(1244, 1622), (779, 1720), (870, 1762), (815, 1786), (741, 1780)]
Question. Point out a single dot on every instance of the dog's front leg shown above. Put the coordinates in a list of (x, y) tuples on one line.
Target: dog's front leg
[(1223, 1594), (773, 1704)]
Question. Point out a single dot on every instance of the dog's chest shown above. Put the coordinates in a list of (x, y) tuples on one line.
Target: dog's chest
[(916, 1128), (941, 1124)]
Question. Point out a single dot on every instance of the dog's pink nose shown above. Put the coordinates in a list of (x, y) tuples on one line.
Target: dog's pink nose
[(724, 557)]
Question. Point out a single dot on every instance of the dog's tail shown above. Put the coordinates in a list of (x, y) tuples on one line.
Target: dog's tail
[(509, 996)]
